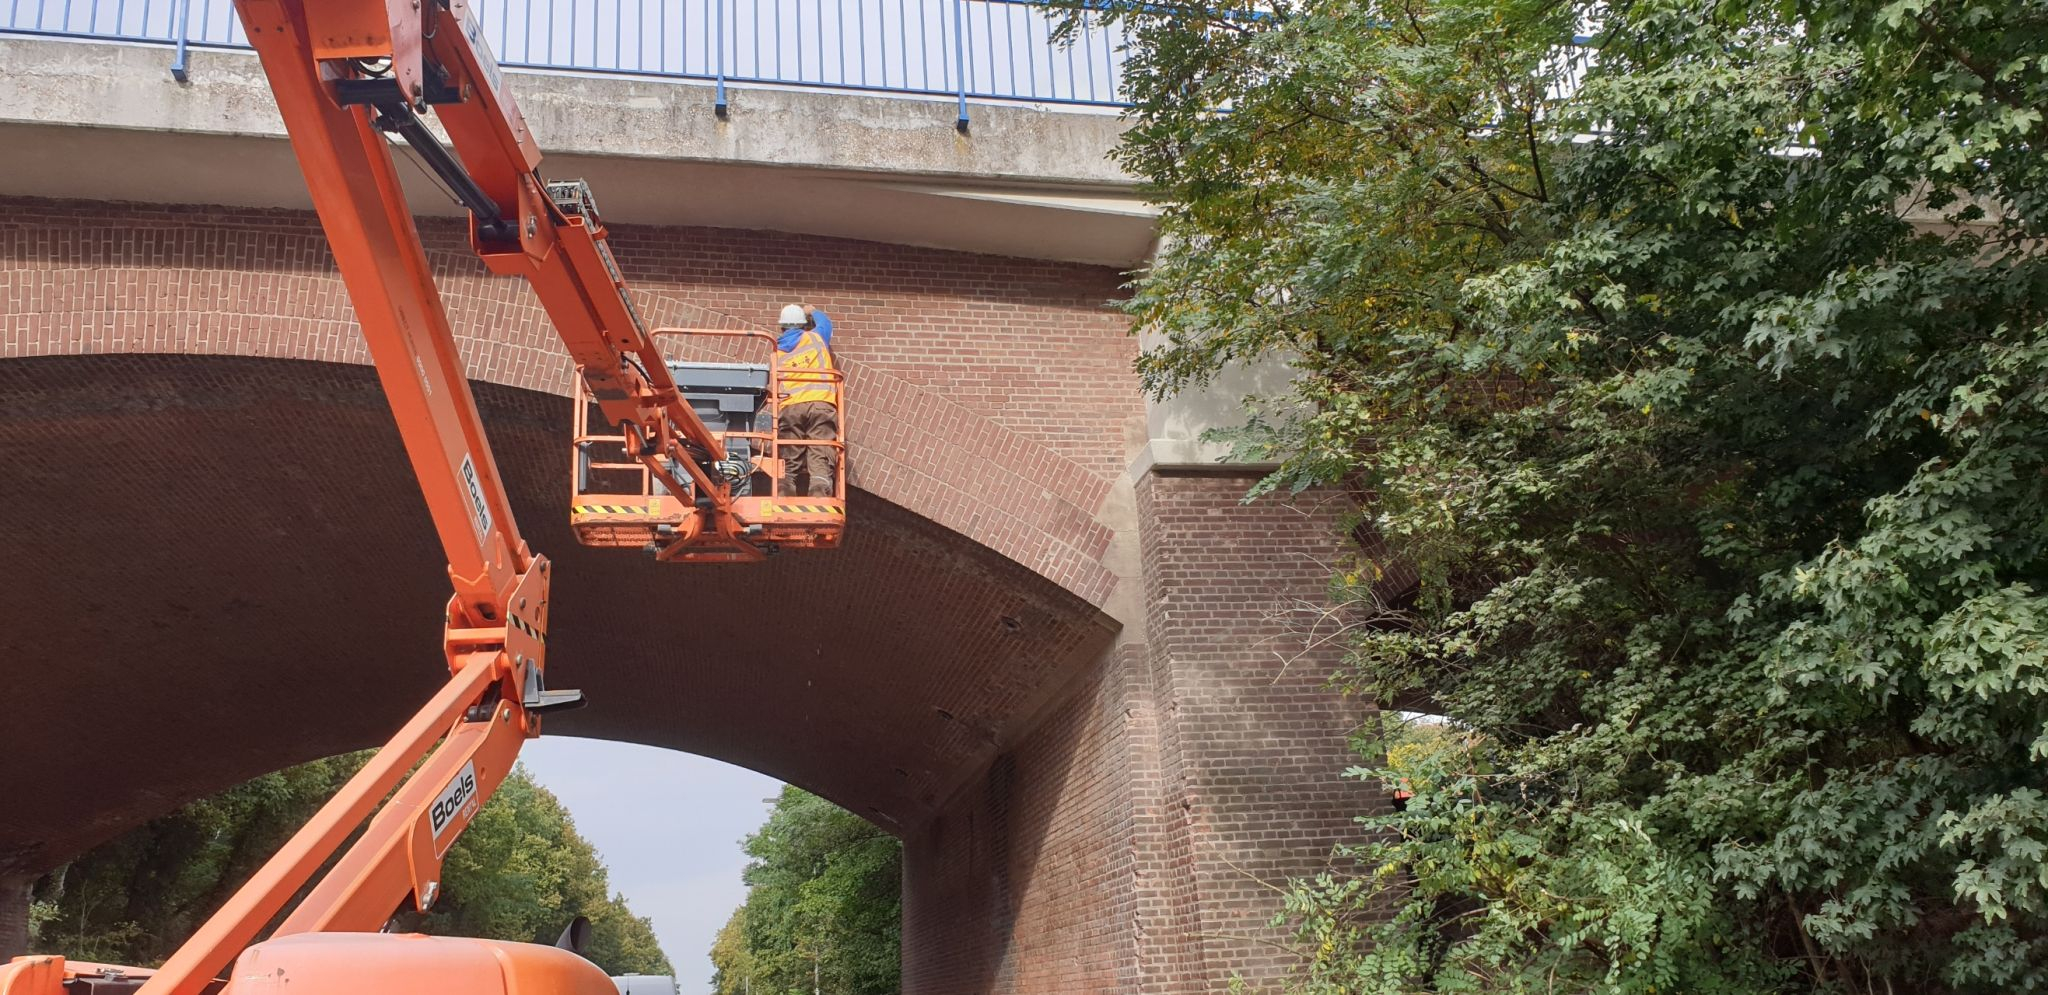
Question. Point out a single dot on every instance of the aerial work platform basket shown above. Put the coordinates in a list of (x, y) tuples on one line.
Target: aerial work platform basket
[(618, 503)]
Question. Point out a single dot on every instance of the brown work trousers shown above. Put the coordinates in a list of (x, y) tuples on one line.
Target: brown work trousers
[(809, 471)]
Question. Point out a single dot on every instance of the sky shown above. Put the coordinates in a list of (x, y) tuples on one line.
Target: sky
[(668, 825)]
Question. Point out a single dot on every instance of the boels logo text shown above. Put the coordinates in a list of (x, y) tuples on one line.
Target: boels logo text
[(458, 798)]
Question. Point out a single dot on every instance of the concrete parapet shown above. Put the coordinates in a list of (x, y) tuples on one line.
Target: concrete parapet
[(100, 120)]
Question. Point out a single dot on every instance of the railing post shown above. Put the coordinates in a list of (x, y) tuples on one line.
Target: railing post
[(960, 61), (184, 22), (718, 42)]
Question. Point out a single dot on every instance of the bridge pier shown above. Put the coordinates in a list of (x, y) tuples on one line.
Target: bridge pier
[(1133, 841), (1251, 742), (14, 899)]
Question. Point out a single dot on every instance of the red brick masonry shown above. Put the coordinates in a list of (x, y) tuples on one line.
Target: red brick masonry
[(218, 565)]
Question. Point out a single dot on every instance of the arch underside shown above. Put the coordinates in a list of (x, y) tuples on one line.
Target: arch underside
[(221, 565)]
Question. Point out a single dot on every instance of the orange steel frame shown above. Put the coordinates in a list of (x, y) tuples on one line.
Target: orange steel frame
[(496, 621), (650, 517)]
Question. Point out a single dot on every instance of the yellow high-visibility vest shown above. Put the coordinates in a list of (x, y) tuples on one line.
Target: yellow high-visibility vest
[(810, 354)]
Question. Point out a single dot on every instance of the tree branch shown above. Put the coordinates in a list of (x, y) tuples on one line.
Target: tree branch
[(1934, 34)]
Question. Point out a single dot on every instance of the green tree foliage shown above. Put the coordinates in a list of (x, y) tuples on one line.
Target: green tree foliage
[(732, 961), (1701, 374), (133, 899), (824, 889), (520, 872)]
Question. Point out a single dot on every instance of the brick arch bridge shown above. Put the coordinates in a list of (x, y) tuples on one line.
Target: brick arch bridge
[(1067, 689)]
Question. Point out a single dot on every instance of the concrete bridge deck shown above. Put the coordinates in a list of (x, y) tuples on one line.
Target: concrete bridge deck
[(100, 120)]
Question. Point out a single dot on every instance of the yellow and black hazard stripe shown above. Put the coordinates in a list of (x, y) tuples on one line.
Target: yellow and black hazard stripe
[(528, 628), (803, 509), (612, 509)]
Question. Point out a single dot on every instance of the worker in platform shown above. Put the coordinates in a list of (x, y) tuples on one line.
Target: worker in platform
[(810, 402)]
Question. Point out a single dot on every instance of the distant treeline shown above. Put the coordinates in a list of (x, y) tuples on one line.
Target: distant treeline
[(824, 906), (521, 872)]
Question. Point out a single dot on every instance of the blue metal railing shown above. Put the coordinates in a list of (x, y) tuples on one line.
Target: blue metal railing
[(959, 49)]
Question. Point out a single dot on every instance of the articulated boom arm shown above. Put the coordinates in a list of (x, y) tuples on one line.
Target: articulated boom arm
[(550, 234), (346, 73)]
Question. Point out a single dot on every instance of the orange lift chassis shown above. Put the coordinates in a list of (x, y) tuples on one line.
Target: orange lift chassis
[(346, 73)]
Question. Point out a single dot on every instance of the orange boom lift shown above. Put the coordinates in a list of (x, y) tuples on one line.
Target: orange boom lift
[(346, 74)]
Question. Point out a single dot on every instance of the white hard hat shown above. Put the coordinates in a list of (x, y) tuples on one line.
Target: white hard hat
[(793, 315)]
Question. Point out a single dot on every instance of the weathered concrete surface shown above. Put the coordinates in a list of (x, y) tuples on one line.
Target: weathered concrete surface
[(102, 85), (106, 121), (1179, 425)]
